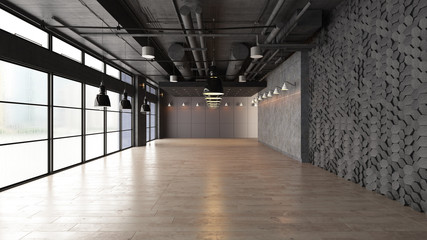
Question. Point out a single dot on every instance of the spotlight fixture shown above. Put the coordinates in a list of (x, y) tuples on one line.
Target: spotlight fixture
[(125, 103), (102, 99), (145, 108), (285, 88), (147, 52), (241, 104), (242, 78), (256, 52), (197, 104), (255, 100), (276, 91), (259, 98), (269, 94), (169, 104), (226, 105), (264, 96), (173, 78), (183, 104)]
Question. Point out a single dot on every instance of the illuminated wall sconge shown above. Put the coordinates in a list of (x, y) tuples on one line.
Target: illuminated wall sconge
[(285, 87), (259, 98), (276, 91), (197, 104), (183, 104), (241, 104), (269, 94), (169, 105), (226, 105), (264, 96)]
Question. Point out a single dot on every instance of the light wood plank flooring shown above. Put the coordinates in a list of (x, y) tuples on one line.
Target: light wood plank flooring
[(202, 189)]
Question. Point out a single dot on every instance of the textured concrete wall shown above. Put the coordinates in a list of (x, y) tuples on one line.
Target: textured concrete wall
[(368, 85), (279, 117), (190, 121)]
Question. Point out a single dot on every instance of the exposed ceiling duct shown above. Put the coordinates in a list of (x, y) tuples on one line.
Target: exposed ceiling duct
[(202, 40), (176, 53), (185, 12), (238, 51)]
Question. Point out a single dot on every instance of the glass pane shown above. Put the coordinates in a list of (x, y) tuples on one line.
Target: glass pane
[(153, 121), (113, 121), (66, 49), (147, 138), (18, 84), (113, 142), (66, 92), (153, 133), (126, 121), (67, 152), (20, 123), (126, 78), (91, 93), (147, 119), (126, 139), (94, 146), (19, 162), (21, 28), (112, 71), (115, 101), (94, 121), (94, 63), (67, 122)]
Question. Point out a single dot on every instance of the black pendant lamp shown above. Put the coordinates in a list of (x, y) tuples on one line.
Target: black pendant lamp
[(102, 99), (125, 103), (145, 108), (214, 86)]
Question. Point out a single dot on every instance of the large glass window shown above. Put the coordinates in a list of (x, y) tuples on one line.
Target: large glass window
[(113, 123), (94, 63), (66, 49), (112, 71), (23, 123), (151, 122), (23, 29), (126, 78), (94, 125), (67, 122)]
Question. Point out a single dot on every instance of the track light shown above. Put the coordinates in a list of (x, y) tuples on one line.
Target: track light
[(226, 105), (259, 98), (197, 104), (173, 78), (264, 96), (102, 99), (125, 103), (276, 91), (241, 104), (169, 105), (269, 94), (242, 78), (147, 52), (284, 87), (256, 52), (183, 104)]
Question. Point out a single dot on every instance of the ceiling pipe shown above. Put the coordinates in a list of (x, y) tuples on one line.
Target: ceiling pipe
[(202, 40), (273, 14), (280, 36), (169, 34), (176, 53), (185, 12), (238, 51)]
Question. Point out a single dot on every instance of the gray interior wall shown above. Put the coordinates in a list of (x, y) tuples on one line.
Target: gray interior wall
[(279, 117), (190, 121), (368, 87)]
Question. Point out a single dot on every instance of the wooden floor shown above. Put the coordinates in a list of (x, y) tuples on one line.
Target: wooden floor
[(202, 189)]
